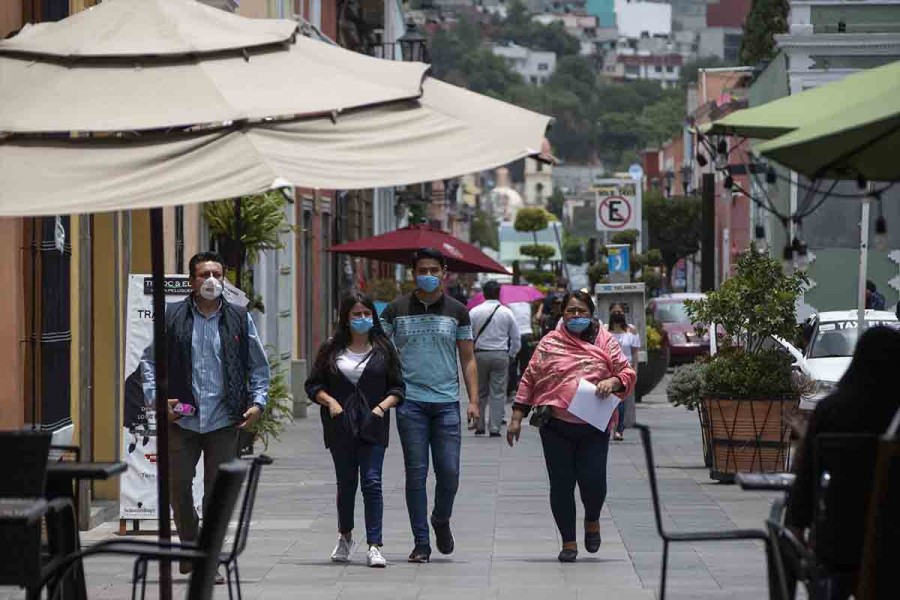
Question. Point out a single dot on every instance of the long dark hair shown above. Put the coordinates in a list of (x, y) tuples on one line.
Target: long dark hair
[(589, 334), (326, 360)]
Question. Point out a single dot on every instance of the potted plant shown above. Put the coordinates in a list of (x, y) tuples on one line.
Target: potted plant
[(686, 389), (278, 413), (652, 372), (748, 390)]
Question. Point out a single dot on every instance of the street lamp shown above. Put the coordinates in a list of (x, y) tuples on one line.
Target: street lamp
[(413, 44)]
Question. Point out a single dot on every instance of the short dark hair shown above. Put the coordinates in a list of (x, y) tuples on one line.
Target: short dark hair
[(202, 257), (432, 253), (491, 290), (562, 282), (870, 285)]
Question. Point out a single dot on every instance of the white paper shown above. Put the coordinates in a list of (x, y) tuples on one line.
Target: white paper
[(587, 406)]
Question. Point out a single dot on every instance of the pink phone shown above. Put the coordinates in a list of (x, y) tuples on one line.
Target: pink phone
[(183, 409)]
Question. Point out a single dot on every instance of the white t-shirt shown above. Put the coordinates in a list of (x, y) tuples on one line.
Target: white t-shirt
[(627, 341), (352, 364), (522, 312)]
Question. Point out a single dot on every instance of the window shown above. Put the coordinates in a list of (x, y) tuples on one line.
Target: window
[(632, 70), (670, 69), (534, 79), (658, 69), (543, 67)]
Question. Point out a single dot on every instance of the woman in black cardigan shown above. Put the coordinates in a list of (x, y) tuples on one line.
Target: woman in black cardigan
[(356, 379)]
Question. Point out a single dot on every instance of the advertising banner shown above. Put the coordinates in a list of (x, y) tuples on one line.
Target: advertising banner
[(137, 486)]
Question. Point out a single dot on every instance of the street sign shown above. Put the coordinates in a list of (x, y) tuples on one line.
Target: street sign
[(618, 205), (635, 172), (613, 213), (618, 259)]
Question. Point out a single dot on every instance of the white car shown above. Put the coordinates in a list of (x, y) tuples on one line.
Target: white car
[(830, 348)]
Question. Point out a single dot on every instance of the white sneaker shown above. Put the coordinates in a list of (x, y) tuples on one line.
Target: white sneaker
[(375, 559), (341, 553)]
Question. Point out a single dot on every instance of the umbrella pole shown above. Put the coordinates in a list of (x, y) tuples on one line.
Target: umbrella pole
[(157, 258), (863, 263)]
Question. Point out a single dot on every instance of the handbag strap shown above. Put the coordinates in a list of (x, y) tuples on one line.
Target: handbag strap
[(483, 327)]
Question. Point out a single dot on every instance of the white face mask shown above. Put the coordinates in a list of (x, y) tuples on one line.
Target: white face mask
[(211, 289)]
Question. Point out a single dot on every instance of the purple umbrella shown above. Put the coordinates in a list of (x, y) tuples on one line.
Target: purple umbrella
[(508, 294)]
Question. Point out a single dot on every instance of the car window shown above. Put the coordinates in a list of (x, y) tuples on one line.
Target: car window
[(838, 338), (672, 312)]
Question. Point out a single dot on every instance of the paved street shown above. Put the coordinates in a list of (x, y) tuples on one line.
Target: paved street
[(505, 538)]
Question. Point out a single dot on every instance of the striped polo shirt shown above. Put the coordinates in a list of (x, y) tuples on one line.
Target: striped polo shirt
[(425, 336)]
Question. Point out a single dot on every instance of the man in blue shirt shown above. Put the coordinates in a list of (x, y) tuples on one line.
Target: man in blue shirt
[(429, 328), (218, 383)]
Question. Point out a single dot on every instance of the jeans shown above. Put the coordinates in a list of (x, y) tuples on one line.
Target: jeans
[(436, 425), (354, 462), (493, 369), (185, 446), (575, 453)]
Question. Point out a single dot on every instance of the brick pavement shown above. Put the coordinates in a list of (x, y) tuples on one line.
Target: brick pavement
[(505, 537)]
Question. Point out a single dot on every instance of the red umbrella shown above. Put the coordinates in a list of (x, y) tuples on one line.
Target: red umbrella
[(400, 245)]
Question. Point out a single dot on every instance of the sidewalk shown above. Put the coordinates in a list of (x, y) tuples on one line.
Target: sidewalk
[(506, 542)]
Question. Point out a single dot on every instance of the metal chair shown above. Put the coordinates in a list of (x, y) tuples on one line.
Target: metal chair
[(204, 555), (685, 536), (229, 559), (29, 450)]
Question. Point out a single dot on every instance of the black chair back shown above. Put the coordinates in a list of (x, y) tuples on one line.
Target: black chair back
[(243, 527), (27, 453), (651, 476), (844, 466), (216, 515)]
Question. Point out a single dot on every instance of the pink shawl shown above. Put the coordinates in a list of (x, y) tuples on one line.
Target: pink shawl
[(562, 359)]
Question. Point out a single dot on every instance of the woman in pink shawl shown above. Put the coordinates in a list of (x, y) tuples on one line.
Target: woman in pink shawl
[(574, 451)]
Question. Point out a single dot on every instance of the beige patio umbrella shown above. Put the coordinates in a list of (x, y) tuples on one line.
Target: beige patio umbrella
[(448, 132), (131, 65)]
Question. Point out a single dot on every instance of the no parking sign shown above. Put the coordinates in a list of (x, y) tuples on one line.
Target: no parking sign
[(618, 205)]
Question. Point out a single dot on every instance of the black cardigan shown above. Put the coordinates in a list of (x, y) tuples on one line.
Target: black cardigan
[(376, 383)]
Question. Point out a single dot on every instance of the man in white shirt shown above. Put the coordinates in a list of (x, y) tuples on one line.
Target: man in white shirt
[(517, 366), (496, 341)]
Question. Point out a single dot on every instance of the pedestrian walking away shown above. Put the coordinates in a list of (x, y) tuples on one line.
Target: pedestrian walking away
[(629, 342), (874, 299), (496, 343), (429, 330), (574, 451), (356, 380), (522, 312), (218, 384)]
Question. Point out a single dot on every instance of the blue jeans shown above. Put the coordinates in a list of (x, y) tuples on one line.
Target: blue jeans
[(436, 425), (356, 461)]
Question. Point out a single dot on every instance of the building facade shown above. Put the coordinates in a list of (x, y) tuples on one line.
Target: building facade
[(534, 66)]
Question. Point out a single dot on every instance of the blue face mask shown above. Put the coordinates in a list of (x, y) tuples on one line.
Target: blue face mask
[(427, 283), (362, 324), (578, 324)]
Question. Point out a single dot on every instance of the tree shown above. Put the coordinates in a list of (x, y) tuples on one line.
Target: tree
[(765, 19), (573, 250), (673, 227), (485, 230), (534, 219)]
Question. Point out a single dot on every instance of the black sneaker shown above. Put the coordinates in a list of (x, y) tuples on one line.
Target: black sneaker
[(420, 554), (443, 536), (495, 434), (479, 432)]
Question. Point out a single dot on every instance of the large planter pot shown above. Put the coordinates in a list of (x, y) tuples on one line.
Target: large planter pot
[(651, 372), (748, 435)]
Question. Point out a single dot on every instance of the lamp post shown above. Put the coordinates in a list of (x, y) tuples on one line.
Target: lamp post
[(413, 45)]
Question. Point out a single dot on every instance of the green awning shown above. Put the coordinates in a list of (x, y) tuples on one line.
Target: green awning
[(817, 106)]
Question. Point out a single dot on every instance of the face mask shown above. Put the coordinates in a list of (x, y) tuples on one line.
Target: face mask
[(211, 289), (578, 324), (362, 324), (427, 283)]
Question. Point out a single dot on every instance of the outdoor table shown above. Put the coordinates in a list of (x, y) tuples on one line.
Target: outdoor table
[(765, 482), (22, 510)]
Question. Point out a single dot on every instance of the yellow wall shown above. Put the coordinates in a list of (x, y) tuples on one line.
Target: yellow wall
[(107, 413), (75, 303), (12, 316), (140, 241)]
